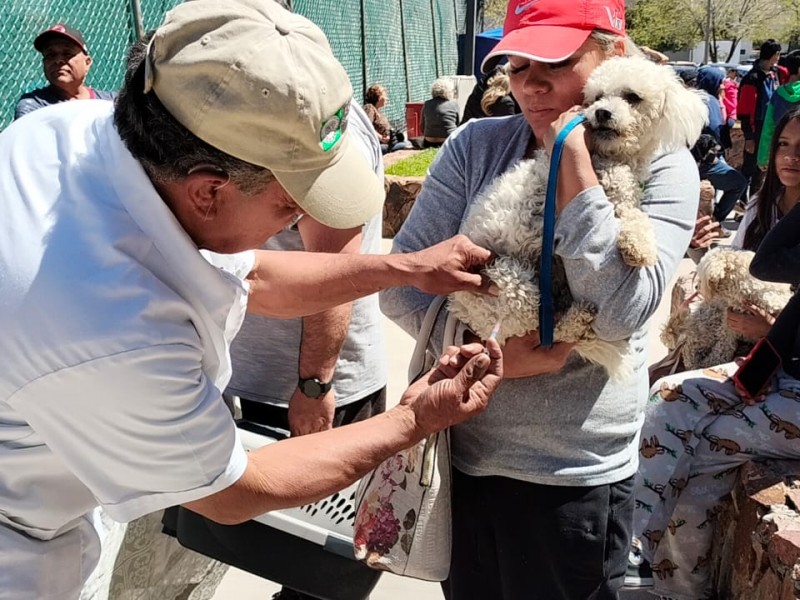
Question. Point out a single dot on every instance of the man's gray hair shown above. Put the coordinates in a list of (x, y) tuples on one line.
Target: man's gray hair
[(166, 149), (443, 88)]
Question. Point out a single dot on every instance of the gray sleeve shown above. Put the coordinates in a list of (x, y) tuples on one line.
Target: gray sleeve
[(586, 232), (25, 106)]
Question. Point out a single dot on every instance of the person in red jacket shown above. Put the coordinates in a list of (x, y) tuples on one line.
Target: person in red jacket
[(755, 93)]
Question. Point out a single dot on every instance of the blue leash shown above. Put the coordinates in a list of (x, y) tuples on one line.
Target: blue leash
[(546, 310)]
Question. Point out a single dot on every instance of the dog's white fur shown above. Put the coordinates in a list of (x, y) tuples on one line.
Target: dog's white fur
[(635, 109), (724, 282)]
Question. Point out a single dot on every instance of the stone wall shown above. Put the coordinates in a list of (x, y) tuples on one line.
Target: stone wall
[(756, 554), (400, 195), (734, 154)]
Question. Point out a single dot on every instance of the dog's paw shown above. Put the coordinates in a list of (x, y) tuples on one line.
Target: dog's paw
[(637, 252), (576, 323), (636, 241)]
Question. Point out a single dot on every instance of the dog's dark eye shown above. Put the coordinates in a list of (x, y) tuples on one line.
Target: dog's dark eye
[(631, 98), (597, 98)]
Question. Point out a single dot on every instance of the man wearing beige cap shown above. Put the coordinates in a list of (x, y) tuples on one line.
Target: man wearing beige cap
[(125, 276)]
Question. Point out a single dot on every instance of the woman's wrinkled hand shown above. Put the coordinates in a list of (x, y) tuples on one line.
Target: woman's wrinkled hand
[(457, 388)]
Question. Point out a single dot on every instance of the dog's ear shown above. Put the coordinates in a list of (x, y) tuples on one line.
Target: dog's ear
[(684, 115)]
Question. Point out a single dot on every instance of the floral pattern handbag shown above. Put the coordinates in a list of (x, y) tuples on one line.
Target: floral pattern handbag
[(403, 521)]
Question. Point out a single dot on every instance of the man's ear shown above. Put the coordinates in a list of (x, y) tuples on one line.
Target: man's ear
[(202, 189), (88, 62)]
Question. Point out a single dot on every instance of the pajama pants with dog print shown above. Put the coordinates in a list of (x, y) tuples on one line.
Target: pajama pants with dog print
[(696, 434)]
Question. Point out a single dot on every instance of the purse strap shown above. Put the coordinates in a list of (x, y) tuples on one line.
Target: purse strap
[(546, 310), (417, 364), (417, 367)]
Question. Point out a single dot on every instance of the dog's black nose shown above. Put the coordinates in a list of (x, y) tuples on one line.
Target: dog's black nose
[(602, 115)]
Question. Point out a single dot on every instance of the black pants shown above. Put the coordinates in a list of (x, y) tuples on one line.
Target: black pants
[(749, 167), (514, 540), (278, 416)]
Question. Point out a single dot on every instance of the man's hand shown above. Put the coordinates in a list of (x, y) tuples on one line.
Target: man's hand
[(450, 266), (706, 230), (310, 415), (457, 388), (525, 356), (750, 146)]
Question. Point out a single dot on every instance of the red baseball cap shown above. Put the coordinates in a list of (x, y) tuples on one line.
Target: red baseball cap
[(60, 30), (552, 30)]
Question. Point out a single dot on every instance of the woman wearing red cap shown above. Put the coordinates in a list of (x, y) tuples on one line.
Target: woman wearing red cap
[(543, 478)]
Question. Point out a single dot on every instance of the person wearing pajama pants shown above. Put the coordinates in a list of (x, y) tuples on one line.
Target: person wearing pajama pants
[(697, 433)]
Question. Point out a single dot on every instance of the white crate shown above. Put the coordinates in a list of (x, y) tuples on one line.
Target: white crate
[(327, 523)]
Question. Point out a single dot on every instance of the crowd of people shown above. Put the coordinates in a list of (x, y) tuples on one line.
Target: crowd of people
[(163, 271)]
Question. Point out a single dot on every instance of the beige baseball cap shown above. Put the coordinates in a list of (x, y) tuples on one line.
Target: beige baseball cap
[(261, 84)]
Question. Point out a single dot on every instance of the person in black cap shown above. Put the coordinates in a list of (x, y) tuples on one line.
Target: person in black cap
[(66, 63), (755, 93)]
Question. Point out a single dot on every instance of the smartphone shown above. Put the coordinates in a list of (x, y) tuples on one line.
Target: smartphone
[(757, 370)]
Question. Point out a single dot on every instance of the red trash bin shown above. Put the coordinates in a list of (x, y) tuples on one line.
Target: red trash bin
[(414, 119)]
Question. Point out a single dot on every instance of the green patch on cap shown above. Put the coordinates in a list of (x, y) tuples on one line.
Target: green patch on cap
[(332, 129)]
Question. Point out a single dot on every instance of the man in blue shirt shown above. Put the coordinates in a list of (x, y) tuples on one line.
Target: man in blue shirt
[(66, 63)]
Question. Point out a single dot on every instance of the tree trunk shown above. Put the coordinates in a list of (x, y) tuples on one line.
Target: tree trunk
[(734, 46)]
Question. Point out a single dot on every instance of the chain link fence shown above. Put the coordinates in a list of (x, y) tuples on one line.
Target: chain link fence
[(401, 44)]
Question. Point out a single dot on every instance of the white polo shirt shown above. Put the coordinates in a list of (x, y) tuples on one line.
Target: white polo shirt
[(114, 334)]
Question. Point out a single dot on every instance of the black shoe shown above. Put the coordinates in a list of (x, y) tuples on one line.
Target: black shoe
[(639, 573)]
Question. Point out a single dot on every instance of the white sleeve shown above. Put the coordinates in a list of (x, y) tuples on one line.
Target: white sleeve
[(749, 217), (142, 429), (239, 264)]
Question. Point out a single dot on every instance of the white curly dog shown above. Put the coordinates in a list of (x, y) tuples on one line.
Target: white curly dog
[(634, 110), (724, 282)]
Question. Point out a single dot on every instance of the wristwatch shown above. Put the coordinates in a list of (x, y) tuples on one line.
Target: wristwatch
[(314, 387)]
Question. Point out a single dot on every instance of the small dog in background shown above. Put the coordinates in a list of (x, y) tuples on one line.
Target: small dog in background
[(634, 109), (723, 282)]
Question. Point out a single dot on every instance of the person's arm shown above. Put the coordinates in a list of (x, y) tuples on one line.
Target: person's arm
[(587, 230), (301, 470), (375, 118), (766, 134), (323, 333), (25, 106), (778, 256), (575, 173), (296, 284)]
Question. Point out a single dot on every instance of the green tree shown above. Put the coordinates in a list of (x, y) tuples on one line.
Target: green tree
[(494, 12), (664, 24), (674, 24)]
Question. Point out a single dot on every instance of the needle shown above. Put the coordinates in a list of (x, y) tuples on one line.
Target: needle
[(493, 335)]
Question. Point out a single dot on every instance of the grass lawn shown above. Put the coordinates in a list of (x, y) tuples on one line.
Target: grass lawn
[(413, 166)]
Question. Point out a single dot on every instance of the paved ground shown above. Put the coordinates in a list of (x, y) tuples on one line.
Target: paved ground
[(239, 585)]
